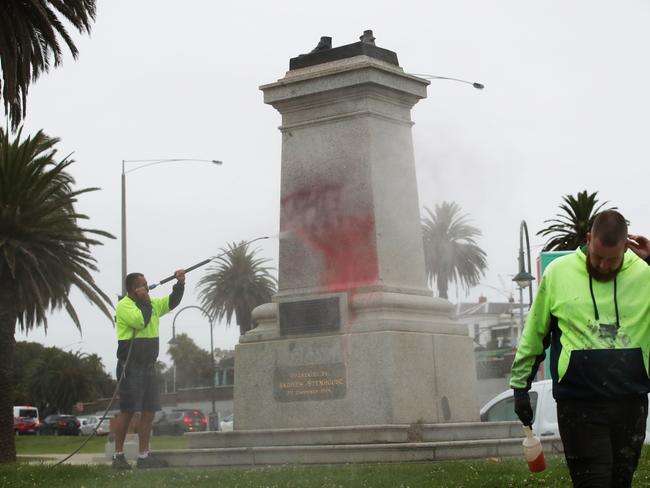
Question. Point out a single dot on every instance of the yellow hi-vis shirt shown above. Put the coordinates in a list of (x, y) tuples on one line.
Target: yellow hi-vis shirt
[(129, 317)]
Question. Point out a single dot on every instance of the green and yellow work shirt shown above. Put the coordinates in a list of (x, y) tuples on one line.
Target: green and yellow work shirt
[(598, 332), (132, 316)]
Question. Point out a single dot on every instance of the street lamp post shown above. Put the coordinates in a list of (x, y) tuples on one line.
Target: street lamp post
[(523, 278), (212, 365), (148, 162)]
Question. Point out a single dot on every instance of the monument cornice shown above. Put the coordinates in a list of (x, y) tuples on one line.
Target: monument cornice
[(352, 72)]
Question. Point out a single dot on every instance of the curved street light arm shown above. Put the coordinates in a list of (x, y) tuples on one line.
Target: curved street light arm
[(205, 312), (523, 231), (478, 86), (154, 162)]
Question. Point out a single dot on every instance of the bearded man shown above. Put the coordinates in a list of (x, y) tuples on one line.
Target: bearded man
[(593, 309)]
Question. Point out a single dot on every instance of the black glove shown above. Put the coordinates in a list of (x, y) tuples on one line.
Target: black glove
[(522, 406)]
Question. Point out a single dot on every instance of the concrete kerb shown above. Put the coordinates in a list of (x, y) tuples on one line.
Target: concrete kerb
[(78, 459)]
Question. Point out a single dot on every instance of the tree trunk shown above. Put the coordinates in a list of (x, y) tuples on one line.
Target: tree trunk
[(244, 319), (442, 281), (8, 319)]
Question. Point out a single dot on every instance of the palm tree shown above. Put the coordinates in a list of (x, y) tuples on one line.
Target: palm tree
[(450, 250), (568, 231), (43, 252), (59, 379), (30, 41), (236, 284)]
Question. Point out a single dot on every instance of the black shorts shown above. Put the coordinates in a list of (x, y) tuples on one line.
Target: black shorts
[(139, 388)]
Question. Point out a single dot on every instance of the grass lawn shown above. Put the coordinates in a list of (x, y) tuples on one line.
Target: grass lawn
[(484, 474), (49, 444), (490, 473)]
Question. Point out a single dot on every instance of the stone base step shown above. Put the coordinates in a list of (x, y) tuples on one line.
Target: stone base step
[(353, 453), (363, 434)]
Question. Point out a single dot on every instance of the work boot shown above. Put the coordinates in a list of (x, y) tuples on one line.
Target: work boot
[(151, 461), (119, 462)]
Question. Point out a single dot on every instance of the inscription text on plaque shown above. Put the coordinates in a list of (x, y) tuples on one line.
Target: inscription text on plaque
[(311, 382)]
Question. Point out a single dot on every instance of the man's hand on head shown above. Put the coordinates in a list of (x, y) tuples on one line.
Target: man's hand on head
[(639, 245), (180, 275)]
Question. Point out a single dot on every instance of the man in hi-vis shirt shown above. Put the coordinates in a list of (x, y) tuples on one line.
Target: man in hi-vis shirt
[(138, 318), (593, 309)]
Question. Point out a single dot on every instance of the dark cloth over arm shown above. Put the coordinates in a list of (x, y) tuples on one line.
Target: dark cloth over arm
[(176, 295)]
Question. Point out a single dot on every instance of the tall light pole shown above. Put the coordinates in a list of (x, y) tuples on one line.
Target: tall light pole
[(478, 86), (523, 278), (148, 162), (212, 365)]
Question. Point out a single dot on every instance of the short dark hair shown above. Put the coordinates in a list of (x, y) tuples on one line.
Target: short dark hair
[(609, 227), (130, 280)]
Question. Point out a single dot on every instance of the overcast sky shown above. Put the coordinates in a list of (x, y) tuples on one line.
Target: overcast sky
[(566, 108)]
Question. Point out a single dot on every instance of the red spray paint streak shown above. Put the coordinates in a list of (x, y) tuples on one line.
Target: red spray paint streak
[(342, 237)]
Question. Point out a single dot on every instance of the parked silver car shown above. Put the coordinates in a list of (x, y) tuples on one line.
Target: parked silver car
[(226, 424), (91, 421)]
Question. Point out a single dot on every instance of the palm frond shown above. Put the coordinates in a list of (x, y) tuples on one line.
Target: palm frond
[(29, 44), (568, 231), (43, 250)]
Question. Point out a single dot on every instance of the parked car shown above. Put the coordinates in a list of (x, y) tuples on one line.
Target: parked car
[(89, 423), (177, 422), (83, 421), (25, 420), (502, 408), (226, 424), (58, 425)]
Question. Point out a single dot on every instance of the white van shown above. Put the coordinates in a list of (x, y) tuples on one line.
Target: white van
[(25, 419), (26, 411), (502, 408)]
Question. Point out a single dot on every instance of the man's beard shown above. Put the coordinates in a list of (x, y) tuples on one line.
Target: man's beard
[(599, 275)]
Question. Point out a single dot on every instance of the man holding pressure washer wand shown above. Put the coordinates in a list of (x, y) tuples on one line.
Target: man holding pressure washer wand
[(138, 317)]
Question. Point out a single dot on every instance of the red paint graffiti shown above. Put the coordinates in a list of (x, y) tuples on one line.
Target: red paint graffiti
[(343, 238)]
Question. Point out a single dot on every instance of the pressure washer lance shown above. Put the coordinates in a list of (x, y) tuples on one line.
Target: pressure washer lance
[(203, 263), (128, 354), (533, 451)]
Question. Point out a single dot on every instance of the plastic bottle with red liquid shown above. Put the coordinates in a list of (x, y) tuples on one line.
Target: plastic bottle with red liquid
[(533, 451)]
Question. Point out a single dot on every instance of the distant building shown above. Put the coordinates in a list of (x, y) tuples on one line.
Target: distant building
[(492, 325), (495, 328)]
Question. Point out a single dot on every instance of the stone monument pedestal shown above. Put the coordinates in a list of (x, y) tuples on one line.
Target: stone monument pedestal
[(354, 336)]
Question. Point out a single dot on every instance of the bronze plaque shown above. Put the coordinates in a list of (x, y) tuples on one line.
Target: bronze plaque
[(312, 316), (313, 382)]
